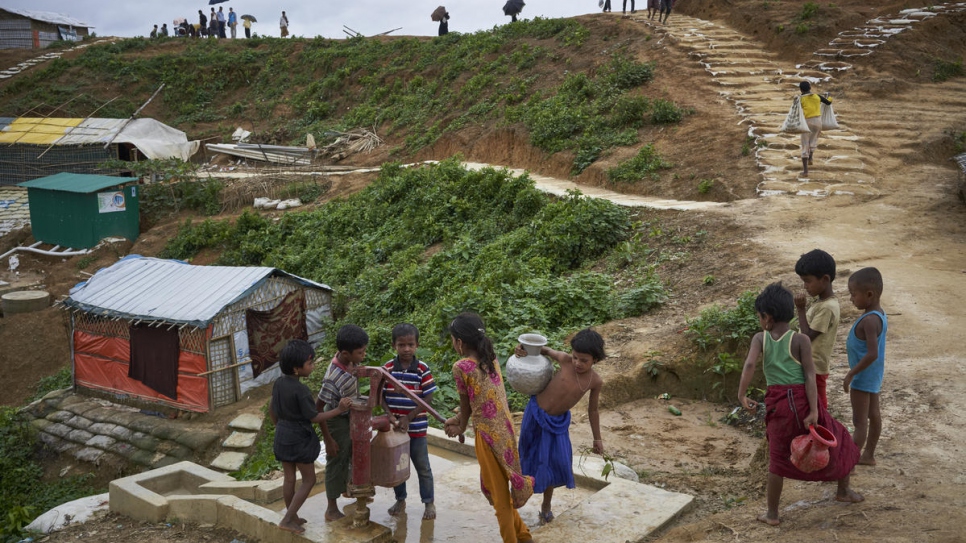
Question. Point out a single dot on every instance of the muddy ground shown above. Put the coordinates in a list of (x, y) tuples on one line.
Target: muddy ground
[(913, 229)]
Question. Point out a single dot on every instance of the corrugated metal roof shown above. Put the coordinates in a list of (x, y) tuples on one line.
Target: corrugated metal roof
[(152, 289), (49, 17), (76, 182)]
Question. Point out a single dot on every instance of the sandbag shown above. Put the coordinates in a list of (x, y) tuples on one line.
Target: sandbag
[(828, 117), (795, 120)]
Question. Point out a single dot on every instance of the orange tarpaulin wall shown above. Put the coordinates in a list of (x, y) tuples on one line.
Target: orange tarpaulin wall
[(102, 363)]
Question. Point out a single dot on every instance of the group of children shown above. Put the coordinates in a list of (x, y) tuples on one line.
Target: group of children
[(509, 473), (796, 368)]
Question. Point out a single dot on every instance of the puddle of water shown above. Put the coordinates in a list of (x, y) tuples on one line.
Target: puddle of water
[(461, 508)]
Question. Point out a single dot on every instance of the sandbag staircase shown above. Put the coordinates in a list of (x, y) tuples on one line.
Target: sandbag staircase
[(761, 88)]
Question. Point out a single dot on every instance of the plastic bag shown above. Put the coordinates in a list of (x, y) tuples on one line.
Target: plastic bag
[(795, 120), (828, 118), (600, 4)]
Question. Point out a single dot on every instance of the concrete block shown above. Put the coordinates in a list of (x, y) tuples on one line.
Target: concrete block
[(199, 508), (622, 511), (438, 438), (229, 461), (131, 499), (250, 519), (239, 440), (270, 491), (240, 489), (247, 421)]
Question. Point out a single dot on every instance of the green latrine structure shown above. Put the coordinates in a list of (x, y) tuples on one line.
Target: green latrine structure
[(79, 210)]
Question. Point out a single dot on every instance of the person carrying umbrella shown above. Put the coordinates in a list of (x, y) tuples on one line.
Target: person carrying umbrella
[(248, 20), (513, 8)]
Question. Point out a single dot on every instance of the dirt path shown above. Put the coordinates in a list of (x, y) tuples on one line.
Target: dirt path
[(892, 206)]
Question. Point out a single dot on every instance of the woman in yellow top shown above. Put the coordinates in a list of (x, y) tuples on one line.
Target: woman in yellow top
[(812, 108)]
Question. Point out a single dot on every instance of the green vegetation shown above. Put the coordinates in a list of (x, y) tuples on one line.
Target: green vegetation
[(415, 89), (645, 164), (959, 140), (60, 380), (484, 241), (809, 10), (947, 69), (705, 185), (718, 328), (21, 496)]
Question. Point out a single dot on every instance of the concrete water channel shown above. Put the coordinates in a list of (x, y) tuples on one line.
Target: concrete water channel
[(600, 510)]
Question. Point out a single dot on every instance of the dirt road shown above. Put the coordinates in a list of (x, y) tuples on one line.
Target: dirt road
[(891, 206)]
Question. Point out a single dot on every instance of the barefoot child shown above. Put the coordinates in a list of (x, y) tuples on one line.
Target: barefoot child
[(414, 374), (545, 450), (791, 403), (483, 397), (866, 350), (339, 383), (296, 443), (821, 321)]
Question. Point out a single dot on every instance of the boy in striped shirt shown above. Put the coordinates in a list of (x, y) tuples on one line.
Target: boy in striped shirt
[(414, 374), (339, 382)]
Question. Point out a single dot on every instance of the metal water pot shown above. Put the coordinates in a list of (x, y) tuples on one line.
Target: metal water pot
[(530, 374)]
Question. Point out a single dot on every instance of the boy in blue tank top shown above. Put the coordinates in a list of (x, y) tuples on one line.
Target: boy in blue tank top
[(866, 350)]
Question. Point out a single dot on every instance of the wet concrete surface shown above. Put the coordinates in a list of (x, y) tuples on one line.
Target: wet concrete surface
[(461, 508)]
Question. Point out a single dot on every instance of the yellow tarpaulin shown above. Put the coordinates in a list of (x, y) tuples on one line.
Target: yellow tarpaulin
[(37, 130)]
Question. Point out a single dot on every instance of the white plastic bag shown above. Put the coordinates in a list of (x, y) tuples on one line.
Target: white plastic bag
[(795, 121), (828, 118)]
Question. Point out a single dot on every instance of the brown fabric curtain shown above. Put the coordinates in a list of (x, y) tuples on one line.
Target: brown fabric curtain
[(154, 358), (269, 331)]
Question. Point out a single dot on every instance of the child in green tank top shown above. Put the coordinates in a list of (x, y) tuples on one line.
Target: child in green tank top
[(791, 403)]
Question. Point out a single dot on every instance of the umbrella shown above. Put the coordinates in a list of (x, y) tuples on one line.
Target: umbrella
[(213, 2), (438, 14), (250, 18), (513, 7)]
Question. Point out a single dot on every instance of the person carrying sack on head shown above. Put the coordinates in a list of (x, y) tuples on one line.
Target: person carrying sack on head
[(812, 109)]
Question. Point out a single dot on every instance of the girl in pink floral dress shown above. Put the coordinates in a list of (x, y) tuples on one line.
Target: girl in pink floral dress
[(483, 397)]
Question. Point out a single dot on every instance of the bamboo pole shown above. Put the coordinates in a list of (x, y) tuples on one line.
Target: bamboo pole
[(133, 115)]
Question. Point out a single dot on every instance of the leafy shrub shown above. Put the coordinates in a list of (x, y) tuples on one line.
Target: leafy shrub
[(60, 380), (21, 497), (809, 10), (704, 186), (726, 328), (666, 112), (647, 162), (947, 69)]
